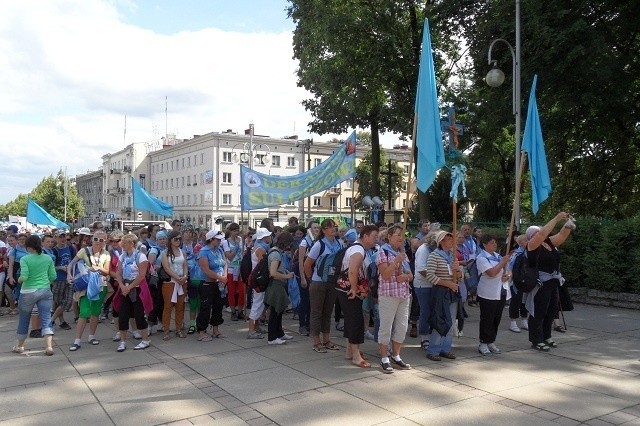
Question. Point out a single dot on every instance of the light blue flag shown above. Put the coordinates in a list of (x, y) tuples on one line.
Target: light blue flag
[(428, 139), (259, 190), (39, 216), (533, 145), (142, 200)]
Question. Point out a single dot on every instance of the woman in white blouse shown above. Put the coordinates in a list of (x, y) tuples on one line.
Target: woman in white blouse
[(493, 292)]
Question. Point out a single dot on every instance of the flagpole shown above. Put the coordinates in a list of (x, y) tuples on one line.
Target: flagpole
[(516, 200), (405, 220)]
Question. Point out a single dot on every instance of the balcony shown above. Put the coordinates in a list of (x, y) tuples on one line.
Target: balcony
[(126, 169), (333, 192)]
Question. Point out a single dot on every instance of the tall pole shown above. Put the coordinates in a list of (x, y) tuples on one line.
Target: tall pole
[(251, 130), (66, 193), (307, 147), (518, 110)]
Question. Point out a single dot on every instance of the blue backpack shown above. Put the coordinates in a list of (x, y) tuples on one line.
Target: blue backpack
[(330, 265), (83, 278)]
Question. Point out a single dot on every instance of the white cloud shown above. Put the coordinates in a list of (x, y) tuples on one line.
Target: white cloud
[(70, 70)]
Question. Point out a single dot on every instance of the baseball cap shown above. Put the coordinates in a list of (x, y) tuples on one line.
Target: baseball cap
[(214, 234), (84, 231), (13, 228), (262, 233)]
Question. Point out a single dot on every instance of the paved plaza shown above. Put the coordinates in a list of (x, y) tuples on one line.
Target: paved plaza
[(592, 378)]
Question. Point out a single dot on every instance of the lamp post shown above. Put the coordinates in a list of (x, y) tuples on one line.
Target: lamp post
[(249, 153), (305, 144), (495, 77)]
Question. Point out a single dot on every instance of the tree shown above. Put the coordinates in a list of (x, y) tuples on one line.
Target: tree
[(364, 179), (49, 194)]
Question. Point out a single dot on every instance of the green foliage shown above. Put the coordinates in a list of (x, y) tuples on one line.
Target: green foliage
[(603, 255), (364, 178), (49, 194)]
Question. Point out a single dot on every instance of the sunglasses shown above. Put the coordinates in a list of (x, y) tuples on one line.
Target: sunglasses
[(176, 239), (98, 240), (115, 241)]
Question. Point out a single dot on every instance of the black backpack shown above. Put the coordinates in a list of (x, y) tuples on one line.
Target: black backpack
[(260, 277), (245, 266), (525, 277)]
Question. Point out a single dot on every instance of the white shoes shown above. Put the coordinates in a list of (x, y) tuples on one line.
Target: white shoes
[(493, 348), (121, 347), (144, 344), (287, 337), (514, 327), (368, 335), (277, 342), (524, 324), (137, 334), (483, 348)]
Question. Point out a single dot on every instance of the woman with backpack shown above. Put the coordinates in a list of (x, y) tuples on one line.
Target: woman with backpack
[(214, 270), (36, 274), (174, 290), (233, 250), (321, 296), (276, 294), (542, 301), (258, 251), (132, 292), (304, 308)]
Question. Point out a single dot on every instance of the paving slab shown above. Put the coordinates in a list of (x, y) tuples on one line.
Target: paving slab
[(623, 386), (90, 414), (226, 364), (56, 368), (336, 369)]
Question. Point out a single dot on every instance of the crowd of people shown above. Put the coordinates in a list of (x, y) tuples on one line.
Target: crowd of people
[(376, 280)]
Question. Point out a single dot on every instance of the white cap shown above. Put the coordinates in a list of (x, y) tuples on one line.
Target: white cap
[(84, 231), (262, 232), (214, 234)]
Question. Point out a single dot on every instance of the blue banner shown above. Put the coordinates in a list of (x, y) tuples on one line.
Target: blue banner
[(261, 190), (39, 216), (142, 200)]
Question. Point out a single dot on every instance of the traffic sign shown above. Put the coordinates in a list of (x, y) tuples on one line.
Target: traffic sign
[(111, 216), (139, 215)]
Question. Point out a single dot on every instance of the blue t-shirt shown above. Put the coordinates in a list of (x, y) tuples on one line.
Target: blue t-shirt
[(64, 255), (215, 259)]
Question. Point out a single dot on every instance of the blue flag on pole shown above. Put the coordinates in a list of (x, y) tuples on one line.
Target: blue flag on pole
[(39, 216), (533, 145), (142, 200), (428, 139)]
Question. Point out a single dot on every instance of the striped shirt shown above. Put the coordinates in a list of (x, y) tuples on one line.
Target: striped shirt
[(391, 287), (437, 269)]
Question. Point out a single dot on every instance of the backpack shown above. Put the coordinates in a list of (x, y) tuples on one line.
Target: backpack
[(246, 265), (295, 261), (82, 273), (525, 277), (330, 266), (260, 277)]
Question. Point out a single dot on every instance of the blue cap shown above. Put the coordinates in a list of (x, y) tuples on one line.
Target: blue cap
[(13, 228), (162, 234), (351, 236)]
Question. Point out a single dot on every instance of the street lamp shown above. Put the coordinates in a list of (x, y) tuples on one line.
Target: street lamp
[(305, 144), (494, 78), (249, 153)]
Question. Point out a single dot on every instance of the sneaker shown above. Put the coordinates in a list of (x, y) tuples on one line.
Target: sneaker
[(116, 337), (493, 348), (514, 327), (241, 315), (386, 367), (303, 331), (483, 348), (227, 309), (74, 347), (369, 335), (234, 316), (255, 335), (425, 344), (259, 330), (144, 344), (339, 326), (65, 326), (524, 324), (121, 347), (277, 342), (137, 334), (401, 364), (287, 337)]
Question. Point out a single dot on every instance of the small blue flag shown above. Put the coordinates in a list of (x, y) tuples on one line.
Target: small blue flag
[(533, 145), (428, 139), (39, 216), (142, 200)]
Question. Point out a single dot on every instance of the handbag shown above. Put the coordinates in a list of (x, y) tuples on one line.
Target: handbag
[(163, 276)]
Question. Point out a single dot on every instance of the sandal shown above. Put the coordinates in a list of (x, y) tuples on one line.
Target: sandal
[(205, 338), (192, 329), (362, 355), (434, 357), (180, 334), (541, 347), (18, 349), (551, 343), (331, 346), (166, 337), (48, 351), (448, 355), (218, 336), (320, 348), (362, 364)]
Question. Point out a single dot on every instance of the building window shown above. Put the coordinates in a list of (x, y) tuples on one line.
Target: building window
[(189, 179), (172, 166), (201, 199), (226, 157), (226, 199), (404, 186), (404, 203), (292, 204), (348, 202), (182, 181), (349, 183), (275, 161), (317, 162), (317, 201), (161, 168), (405, 168), (166, 184), (183, 163), (172, 179), (291, 161), (226, 177), (333, 204), (188, 161), (201, 158)]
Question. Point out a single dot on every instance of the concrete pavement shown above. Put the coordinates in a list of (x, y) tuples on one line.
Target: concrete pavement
[(592, 378)]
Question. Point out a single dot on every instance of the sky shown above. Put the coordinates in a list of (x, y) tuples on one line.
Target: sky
[(71, 70)]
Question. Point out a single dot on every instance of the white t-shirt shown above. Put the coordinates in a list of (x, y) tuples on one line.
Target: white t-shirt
[(490, 287), (422, 254), (233, 265), (355, 248), (130, 267)]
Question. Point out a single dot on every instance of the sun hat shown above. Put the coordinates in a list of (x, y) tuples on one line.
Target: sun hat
[(441, 235), (214, 234), (262, 233)]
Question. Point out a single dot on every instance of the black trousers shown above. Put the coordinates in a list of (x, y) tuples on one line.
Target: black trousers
[(490, 316), (155, 316), (353, 318), (210, 306), (274, 329), (129, 309), (545, 305), (414, 311), (516, 306), (338, 310)]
